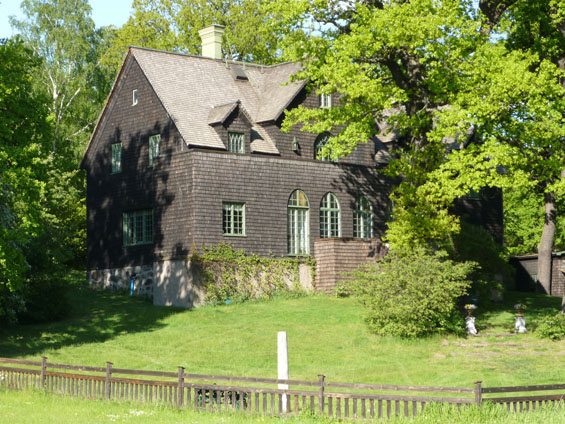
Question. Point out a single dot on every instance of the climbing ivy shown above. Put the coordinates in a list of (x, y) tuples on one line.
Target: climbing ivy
[(231, 275)]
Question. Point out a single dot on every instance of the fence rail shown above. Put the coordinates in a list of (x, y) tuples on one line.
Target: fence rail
[(213, 392)]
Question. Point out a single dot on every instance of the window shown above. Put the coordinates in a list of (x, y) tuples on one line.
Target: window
[(475, 195), (154, 147), (233, 219), (138, 227), (325, 100), (134, 97), (298, 213), (116, 158), (236, 142), (363, 218), (319, 145), (330, 216)]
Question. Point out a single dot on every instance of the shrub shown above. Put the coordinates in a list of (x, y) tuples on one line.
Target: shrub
[(45, 300), (552, 327), (413, 294)]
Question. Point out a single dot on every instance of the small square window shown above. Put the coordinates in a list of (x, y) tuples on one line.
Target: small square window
[(325, 101), (233, 219), (134, 97), (154, 147), (116, 158), (236, 142)]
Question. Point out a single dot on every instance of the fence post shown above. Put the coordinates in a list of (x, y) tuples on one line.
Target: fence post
[(321, 379), (108, 377), (180, 390), (478, 393), (43, 368)]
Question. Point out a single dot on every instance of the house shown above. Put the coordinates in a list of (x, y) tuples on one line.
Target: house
[(526, 267), (188, 151)]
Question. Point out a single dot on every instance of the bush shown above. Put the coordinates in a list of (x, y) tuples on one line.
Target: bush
[(414, 294), (552, 327), (45, 300)]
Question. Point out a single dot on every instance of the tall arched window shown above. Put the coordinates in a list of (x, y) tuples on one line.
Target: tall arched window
[(330, 216), (319, 144), (298, 234), (363, 218)]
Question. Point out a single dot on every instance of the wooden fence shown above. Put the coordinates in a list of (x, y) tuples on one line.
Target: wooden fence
[(181, 389)]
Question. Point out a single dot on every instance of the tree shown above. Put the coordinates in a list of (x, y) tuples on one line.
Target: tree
[(63, 34), (24, 136), (442, 74), (253, 28)]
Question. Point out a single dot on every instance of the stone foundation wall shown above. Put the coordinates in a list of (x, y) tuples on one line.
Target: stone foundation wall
[(173, 282), (120, 279)]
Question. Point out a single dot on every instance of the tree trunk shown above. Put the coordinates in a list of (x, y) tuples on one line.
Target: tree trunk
[(546, 244)]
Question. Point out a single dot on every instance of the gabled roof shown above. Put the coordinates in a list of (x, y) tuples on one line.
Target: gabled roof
[(199, 92)]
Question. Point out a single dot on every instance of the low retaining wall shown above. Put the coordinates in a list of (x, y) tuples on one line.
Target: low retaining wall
[(173, 282), (336, 256)]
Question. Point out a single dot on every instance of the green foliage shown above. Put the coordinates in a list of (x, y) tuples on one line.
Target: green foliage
[(253, 29), (552, 327), (24, 135), (231, 274), (413, 294), (476, 244), (46, 300), (523, 222), (433, 73)]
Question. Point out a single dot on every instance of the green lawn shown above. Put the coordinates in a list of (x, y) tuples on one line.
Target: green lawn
[(32, 407), (326, 335)]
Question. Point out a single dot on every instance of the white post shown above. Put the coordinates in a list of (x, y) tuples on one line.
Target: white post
[(283, 364)]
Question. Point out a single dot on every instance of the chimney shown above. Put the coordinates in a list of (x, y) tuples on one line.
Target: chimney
[(212, 41)]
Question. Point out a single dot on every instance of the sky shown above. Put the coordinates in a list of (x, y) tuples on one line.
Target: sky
[(104, 12)]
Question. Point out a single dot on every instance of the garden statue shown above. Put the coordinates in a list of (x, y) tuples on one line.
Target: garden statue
[(520, 326), (470, 320)]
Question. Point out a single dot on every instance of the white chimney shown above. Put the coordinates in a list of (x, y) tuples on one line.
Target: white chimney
[(212, 41)]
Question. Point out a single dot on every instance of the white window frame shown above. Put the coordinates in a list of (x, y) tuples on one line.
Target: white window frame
[(330, 216), (319, 144), (134, 97), (325, 101), (236, 142), (298, 220), (363, 218), (231, 213)]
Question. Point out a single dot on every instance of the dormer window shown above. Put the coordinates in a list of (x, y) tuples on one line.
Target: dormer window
[(134, 97), (236, 142), (325, 101)]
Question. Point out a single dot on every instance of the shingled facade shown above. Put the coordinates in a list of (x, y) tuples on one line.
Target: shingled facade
[(188, 151)]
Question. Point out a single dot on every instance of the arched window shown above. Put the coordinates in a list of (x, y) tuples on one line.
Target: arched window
[(363, 218), (319, 144), (330, 216), (298, 213)]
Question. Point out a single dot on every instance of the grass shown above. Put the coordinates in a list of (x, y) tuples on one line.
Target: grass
[(31, 407), (326, 335)]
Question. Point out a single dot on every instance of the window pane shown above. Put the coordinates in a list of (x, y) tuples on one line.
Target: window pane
[(233, 218), (154, 147), (236, 142), (116, 158), (330, 216), (298, 224)]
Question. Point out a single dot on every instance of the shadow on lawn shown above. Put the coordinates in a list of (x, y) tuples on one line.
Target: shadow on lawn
[(538, 306), (96, 316)]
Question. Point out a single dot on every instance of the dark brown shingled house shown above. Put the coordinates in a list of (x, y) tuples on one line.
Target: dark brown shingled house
[(188, 152)]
